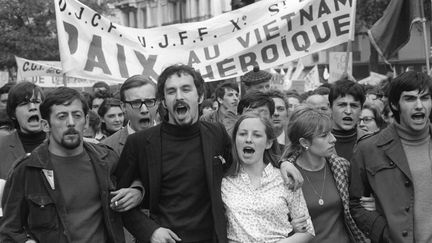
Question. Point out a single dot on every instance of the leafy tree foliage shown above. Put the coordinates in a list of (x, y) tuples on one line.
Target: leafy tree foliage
[(28, 30)]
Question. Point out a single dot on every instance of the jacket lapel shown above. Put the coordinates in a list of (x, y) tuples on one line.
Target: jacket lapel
[(391, 145), (153, 152), (207, 145), (15, 145)]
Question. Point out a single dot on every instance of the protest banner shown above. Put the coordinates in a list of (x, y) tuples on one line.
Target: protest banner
[(266, 33), (337, 62), (49, 74), (29, 68)]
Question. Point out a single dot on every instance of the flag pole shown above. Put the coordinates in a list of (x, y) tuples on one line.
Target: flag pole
[(425, 38), (426, 45), (347, 56)]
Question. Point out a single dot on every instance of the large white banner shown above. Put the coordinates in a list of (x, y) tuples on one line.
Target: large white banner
[(267, 33)]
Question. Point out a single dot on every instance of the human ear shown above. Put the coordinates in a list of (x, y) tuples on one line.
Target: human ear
[(45, 125), (304, 143)]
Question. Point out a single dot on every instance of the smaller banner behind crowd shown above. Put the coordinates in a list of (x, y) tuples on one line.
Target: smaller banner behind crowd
[(48, 74), (267, 33)]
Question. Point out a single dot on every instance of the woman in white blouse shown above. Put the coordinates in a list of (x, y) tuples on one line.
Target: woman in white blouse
[(258, 203)]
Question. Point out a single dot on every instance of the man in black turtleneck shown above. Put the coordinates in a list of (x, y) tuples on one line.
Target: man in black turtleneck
[(23, 109), (181, 164), (395, 166), (346, 99)]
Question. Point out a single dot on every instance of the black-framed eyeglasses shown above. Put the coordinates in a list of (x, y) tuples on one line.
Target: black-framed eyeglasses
[(137, 104)]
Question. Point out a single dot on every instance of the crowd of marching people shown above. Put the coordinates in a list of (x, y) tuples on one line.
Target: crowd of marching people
[(166, 162)]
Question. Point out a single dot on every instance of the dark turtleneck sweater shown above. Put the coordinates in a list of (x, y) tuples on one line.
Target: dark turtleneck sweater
[(345, 142), (417, 147), (31, 140), (184, 202)]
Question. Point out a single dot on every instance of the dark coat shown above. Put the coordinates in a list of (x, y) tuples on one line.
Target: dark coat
[(380, 167), (32, 209), (11, 149), (141, 158)]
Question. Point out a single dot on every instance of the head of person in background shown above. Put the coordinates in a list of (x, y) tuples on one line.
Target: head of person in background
[(112, 116), (206, 107), (4, 93), (376, 96), (294, 100), (23, 107), (257, 79), (97, 99), (280, 116), (93, 128), (181, 89), (138, 94), (319, 102), (258, 102), (101, 86), (370, 120), (346, 100), (227, 95)]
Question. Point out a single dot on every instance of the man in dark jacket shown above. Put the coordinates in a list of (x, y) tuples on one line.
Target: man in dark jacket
[(60, 192), (181, 164), (395, 167)]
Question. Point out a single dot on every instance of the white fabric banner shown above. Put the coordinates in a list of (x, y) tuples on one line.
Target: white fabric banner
[(267, 33), (29, 68)]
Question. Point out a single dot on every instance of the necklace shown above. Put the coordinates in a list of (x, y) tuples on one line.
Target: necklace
[(320, 198)]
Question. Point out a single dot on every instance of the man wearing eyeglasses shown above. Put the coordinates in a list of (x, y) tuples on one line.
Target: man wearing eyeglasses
[(23, 109), (138, 96)]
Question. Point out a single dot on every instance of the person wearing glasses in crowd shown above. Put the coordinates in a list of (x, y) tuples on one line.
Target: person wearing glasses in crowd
[(138, 95), (370, 120)]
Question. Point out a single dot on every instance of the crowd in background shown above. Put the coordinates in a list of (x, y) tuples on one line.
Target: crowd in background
[(226, 165)]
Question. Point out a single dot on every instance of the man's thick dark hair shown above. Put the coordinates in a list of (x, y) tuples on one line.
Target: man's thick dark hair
[(61, 96), (178, 70), (254, 99), (408, 81), (275, 93), (344, 87), (107, 104), (22, 92), (134, 82), (5, 88), (220, 90)]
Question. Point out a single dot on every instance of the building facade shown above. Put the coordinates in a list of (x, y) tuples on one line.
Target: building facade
[(155, 13)]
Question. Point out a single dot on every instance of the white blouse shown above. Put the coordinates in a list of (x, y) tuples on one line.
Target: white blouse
[(261, 214)]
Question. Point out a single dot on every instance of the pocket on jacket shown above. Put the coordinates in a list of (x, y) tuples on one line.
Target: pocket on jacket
[(380, 167), (42, 212)]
